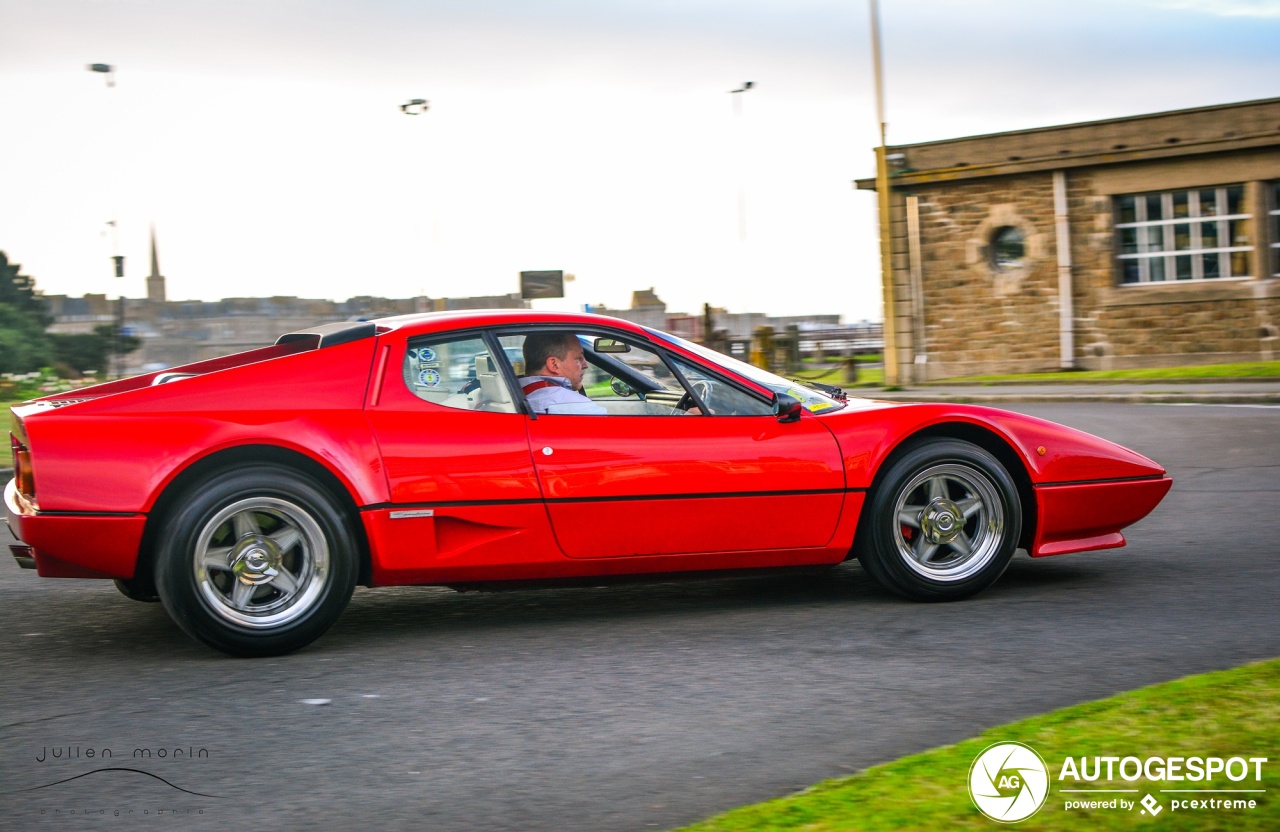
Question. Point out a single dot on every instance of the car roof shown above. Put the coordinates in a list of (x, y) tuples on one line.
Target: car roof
[(428, 322)]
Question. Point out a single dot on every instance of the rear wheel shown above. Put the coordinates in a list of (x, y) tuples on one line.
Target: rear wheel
[(256, 561), (137, 589), (943, 522)]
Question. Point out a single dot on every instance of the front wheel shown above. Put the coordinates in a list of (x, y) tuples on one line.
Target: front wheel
[(942, 524), (256, 561)]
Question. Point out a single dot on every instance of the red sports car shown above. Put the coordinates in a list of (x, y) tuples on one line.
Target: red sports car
[(252, 493)]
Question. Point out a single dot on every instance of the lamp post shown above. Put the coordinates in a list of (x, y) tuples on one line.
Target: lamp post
[(417, 107), (742, 188), (117, 259), (414, 106), (891, 373)]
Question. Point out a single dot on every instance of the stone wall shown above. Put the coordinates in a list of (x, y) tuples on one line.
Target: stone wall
[(956, 312), (976, 317), (980, 319)]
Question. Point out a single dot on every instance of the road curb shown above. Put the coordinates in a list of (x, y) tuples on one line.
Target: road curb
[(1063, 398), (1099, 381)]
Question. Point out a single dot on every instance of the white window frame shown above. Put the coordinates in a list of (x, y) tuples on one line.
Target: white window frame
[(1274, 216), (1156, 240)]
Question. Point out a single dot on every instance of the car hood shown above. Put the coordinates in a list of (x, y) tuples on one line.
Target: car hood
[(868, 432)]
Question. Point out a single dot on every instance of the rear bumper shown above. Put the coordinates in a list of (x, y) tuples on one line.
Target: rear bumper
[(74, 545), (1077, 517)]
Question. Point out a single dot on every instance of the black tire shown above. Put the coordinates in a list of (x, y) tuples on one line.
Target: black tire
[(256, 561), (138, 589), (942, 522)]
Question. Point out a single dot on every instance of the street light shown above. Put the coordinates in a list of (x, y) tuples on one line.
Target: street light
[(891, 371), (117, 259), (417, 107), (108, 69), (742, 188)]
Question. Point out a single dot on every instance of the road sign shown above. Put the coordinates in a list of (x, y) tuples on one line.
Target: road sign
[(548, 284)]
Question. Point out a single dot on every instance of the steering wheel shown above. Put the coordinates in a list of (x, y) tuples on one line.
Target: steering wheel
[(703, 388)]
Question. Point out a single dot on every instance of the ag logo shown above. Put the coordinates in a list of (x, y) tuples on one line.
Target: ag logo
[(1009, 782)]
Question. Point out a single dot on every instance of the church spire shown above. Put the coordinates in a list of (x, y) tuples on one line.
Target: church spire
[(155, 281)]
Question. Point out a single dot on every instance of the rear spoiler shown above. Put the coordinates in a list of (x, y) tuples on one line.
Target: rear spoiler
[(304, 340), (329, 335)]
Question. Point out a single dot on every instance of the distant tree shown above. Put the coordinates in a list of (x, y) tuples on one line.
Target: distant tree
[(91, 352), (24, 347), (19, 291)]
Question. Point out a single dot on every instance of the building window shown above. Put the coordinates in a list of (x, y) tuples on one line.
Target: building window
[(1275, 229), (1200, 234), (1008, 249)]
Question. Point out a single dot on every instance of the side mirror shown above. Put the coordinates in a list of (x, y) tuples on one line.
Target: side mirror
[(620, 387), (786, 408)]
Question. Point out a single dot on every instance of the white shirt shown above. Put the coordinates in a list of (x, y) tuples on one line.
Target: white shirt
[(558, 397)]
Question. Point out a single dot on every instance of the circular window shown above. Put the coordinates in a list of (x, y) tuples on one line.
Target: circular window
[(1008, 249)]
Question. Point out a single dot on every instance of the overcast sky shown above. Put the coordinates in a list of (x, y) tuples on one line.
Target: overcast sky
[(264, 139)]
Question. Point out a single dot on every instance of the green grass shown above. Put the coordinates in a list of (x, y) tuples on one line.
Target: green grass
[(867, 376), (1244, 369), (1228, 713), (861, 358)]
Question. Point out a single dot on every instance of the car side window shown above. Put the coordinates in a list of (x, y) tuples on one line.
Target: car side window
[(456, 372), (624, 377), (722, 398), (620, 378)]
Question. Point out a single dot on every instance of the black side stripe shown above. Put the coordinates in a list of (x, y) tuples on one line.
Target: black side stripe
[(636, 498), (1145, 478)]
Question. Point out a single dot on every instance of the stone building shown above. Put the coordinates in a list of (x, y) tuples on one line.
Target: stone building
[(1145, 241)]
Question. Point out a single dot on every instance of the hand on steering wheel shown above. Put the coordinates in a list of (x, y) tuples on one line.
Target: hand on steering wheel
[(688, 405)]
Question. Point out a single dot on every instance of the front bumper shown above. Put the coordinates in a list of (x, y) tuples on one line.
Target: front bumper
[(66, 545), (1077, 517)]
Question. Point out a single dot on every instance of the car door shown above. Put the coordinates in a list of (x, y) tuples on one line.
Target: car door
[(651, 479), (464, 494)]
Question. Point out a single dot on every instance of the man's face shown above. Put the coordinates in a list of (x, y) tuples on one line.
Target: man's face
[(572, 366)]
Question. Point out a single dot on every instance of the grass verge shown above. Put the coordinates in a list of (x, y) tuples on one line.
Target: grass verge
[(1225, 714), (867, 376), (1243, 369)]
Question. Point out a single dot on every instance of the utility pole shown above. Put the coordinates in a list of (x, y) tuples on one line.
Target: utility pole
[(742, 159), (116, 366), (891, 371), (417, 107)]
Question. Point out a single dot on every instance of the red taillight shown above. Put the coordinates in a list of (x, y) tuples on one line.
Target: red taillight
[(22, 468)]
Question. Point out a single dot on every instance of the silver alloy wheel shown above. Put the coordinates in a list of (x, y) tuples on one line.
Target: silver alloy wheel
[(949, 522), (261, 562)]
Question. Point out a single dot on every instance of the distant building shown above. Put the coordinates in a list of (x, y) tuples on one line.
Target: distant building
[(155, 280), (647, 309), (1146, 241), (181, 332)]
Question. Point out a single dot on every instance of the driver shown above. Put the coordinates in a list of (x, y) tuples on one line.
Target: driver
[(556, 364)]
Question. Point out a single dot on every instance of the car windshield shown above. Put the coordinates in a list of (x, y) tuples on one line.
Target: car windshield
[(812, 400)]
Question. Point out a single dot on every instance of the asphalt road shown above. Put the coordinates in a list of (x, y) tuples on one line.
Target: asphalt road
[(627, 708)]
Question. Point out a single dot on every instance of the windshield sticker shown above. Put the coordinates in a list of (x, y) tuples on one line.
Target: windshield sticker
[(429, 378), (814, 407)]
